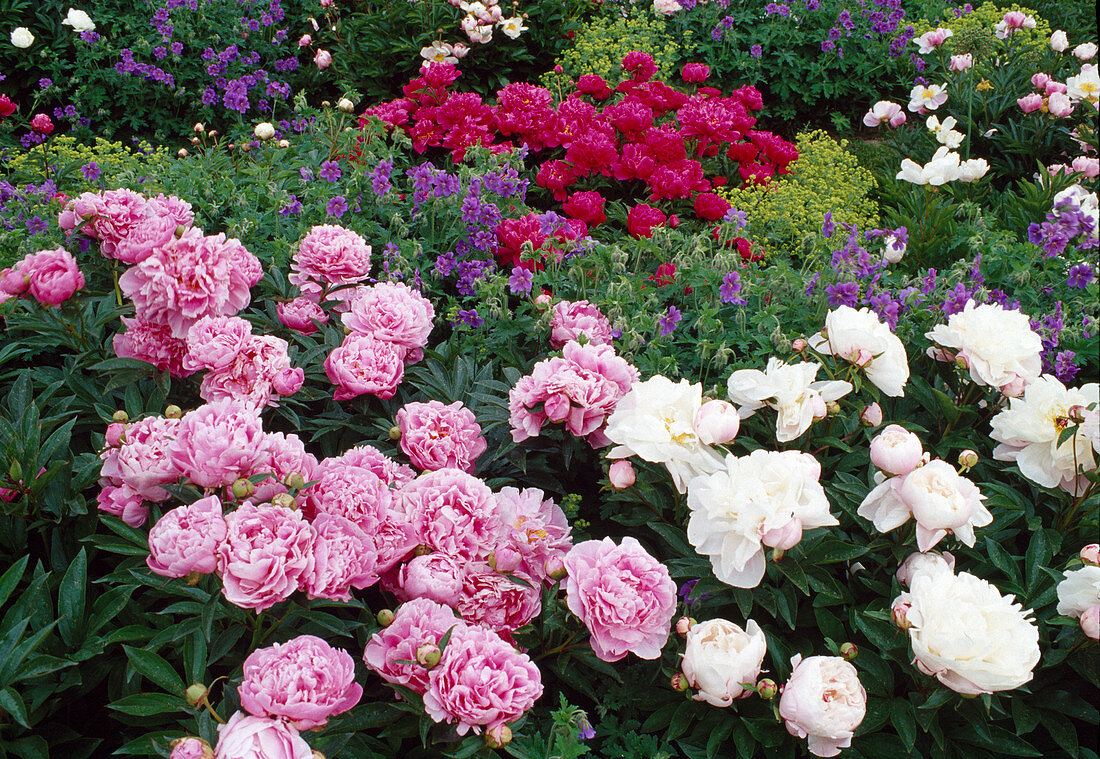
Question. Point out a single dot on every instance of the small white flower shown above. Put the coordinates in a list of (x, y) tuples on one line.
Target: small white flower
[(1085, 51), (264, 131), (21, 37), (512, 27), (929, 97), (438, 52), (1059, 41), (945, 131)]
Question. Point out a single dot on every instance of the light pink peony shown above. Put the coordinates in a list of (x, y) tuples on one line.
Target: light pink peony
[(304, 681), (286, 455), (257, 375), (329, 255), (500, 603), (108, 216), (124, 502), (571, 319), (355, 493), (214, 342), (246, 737), (301, 315), (539, 532), (343, 557), (219, 443), (153, 344), (391, 652), (368, 457), (394, 312), (623, 595), (896, 450), (267, 553), (191, 277), (481, 682), (144, 460), (148, 234), (171, 207), (435, 436), (454, 512), (435, 575), (621, 474), (716, 422), (186, 539), (365, 364), (52, 276), (824, 702)]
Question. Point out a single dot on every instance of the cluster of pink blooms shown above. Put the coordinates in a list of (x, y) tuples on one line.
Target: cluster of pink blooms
[(51, 277), (1051, 97), (652, 133), (579, 389), (238, 364)]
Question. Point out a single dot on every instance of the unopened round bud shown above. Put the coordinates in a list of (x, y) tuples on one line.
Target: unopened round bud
[(345, 105), (232, 145), (212, 133), (1077, 413), (1090, 622), (778, 554), (1090, 554), (797, 345), (680, 682), (192, 748), (832, 408), (385, 617), (193, 578), (243, 488), (767, 689), (428, 655), (684, 625), (621, 474), (120, 416), (284, 501), (173, 412), (555, 568), (422, 550), (326, 104), (245, 147), (265, 130), (962, 362), (116, 434), (498, 736), (849, 651), (284, 144), (394, 432), (968, 459), (183, 153), (200, 128), (295, 481), (542, 299), (196, 141), (196, 694), (899, 612)]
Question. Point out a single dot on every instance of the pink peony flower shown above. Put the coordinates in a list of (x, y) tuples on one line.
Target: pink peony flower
[(365, 364), (52, 276), (539, 533), (367, 456), (355, 493), (258, 372), (186, 539), (110, 216), (621, 474), (267, 553), (1059, 105), (481, 682), (214, 342), (171, 207), (454, 512), (623, 595), (500, 603), (571, 319), (1030, 103), (259, 738), (219, 443), (322, 60), (124, 502), (285, 455), (329, 255), (437, 576), (191, 748), (1090, 167), (961, 62), (344, 558), (153, 344), (304, 681), (884, 112), (823, 701), (435, 436), (586, 206), (391, 652), (144, 237), (301, 315), (394, 312), (695, 73)]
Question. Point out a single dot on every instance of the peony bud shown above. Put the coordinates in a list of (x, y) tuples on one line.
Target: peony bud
[(555, 568), (196, 141), (322, 60), (116, 434), (395, 433), (498, 736), (21, 37), (173, 412), (243, 488), (542, 299), (196, 694), (504, 559), (190, 748), (962, 362), (784, 538), (899, 612), (778, 554), (1090, 554), (345, 105), (716, 422), (832, 408), (767, 689), (1090, 622), (871, 416), (896, 450), (428, 655), (621, 474), (968, 459), (1059, 42), (199, 128), (385, 617), (212, 133), (680, 682), (294, 481), (797, 345), (120, 416), (182, 153), (264, 130), (284, 501), (863, 358), (849, 651), (305, 41), (283, 144), (1014, 388), (684, 625)]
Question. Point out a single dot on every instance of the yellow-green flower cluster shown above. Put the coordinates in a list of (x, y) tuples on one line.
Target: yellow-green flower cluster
[(788, 214), (600, 46), (974, 32), (119, 165)]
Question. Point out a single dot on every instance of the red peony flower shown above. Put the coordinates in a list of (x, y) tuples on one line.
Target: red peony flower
[(41, 123), (642, 218), (586, 206), (710, 206)]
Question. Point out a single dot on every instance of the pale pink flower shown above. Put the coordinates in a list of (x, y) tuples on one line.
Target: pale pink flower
[(219, 443), (394, 312), (365, 364), (214, 342), (355, 493), (621, 474), (391, 652), (896, 450), (623, 595), (884, 112), (154, 344), (823, 701), (929, 41), (124, 502), (247, 737), (150, 233), (1030, 103), (144, 460), (435, 575), (301, 315), (259, 372), (961, 62), (186, 539), (344, 558), (539, 532), (109, 216), (502, 604), (266, 555), (52, 276), (1089, 166), (368, 457), (454, 512), (191, 748), (1059, 105), (435, 436), (322, 60), (571, 319)]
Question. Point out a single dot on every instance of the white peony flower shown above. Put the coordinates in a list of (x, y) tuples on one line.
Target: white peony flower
[(438, 52), (1079, 591), (264, 130), (928, 97), (824, 702), (764, 499), (1086, 85), (1085, 51), (967, 635), (896, 450), (655, 421), (1059, 41), (919, 561), (79, 21), (1028, 432), (790, 389), (666, 7), (998, 344), (512, 27), (862, 339), (720, 659), (941, 169), (21, 37), (972, 170), (944, 131)]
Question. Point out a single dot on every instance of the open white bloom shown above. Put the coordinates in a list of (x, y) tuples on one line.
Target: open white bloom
[(21, 37), (1079, 590), (720, 659), (79, 21), (790, 389), (944, 131), (929, 97), (823, 702), (666, 7), (941, 169), (1028, 432), (972, 170), (967, 635), (512, 27), (655, 421), (1085, 51), (861, 338), (1084, 86), (764, 499), (439, 52), (997, 344)]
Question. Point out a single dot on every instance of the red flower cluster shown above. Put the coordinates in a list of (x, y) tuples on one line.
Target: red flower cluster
[(513, 233)]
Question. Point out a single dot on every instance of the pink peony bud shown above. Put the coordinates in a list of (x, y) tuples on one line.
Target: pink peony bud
[(504, 559), (849, 651), (961, 62), (798, 345), (428, 655), (498, 736), (288, 381), (1014, 388), (871, 416), (784, 538), (116, 434), (716, 422), (555, 568), (899, 612), (305, 41), (1039, 80), (679, 682), (322, 60), (896, 450), (684, 625), (863, 358), (1090, 622), (543, 299), (621, 474), (190, 748), (1090, 554)]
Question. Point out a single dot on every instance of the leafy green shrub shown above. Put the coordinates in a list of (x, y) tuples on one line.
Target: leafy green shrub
[(600, 45)]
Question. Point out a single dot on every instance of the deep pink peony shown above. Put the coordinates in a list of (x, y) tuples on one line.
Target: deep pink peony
[(481, 682), (454, 512), (153, 344), (301, 315), (365, 364), (110, 216), (695, 73), (394, 312), (124, 502), (539, 531), (623, 595), (150, 233), (586, 206), (344, 558), (285, 455), (329, 255), (435, 436), (391, 652), (356, 493), (52, 276), (437, 576), (500, 603), (571, 319), (186, 539), (642, 218), (246, 737), (267, 553), (257, 375), (144, 460), (304, 681), (367, 456), (219, 443)]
